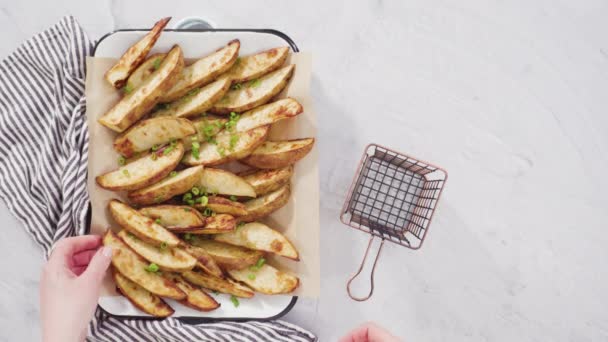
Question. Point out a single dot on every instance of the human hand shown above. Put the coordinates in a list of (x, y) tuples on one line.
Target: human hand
[(369, 332), (70, 285)]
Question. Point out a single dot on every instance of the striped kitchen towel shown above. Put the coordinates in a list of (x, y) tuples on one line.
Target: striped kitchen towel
[(42, 109)]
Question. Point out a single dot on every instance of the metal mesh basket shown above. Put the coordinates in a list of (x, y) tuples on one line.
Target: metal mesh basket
[(393, 196)]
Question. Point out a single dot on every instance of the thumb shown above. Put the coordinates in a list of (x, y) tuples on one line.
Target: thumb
[(98, 265)]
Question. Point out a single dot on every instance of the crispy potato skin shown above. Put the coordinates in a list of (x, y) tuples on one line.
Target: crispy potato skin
[(268, 280), (218, 284), (196, 297), (132, 266), (175, 218), (260, 237), (141, 298), (225, 183), (265, 181), (223, 205), (204, 260), (147, 133), (254, 66), (246, 98), (156, 170), (268, 114), (141, 226), (134, 56), (265, 205), (136, 104), (167, 188), (192, 105), (191, 77), (144, 71), (264, 158), (228, 256), (170, 259)]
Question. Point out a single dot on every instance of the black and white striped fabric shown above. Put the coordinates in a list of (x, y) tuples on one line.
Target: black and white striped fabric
[(43, 173)]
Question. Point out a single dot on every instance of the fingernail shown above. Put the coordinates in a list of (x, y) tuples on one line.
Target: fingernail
[(106, 251)]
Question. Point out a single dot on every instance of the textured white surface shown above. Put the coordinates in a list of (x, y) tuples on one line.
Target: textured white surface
[(509, 97)]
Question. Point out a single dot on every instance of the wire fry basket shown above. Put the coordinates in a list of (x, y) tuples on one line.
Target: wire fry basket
[(393, 197)]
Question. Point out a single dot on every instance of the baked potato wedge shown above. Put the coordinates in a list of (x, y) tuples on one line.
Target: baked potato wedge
[(221, 205), (197, 101), (278, 154), (265, 181), (227, 256), (223, 182), (266, 204), (266, 279), (204, 260), (141, 226), (143, 171), (152, 132), (175, 218), (135, 268), (268, 114), (203, 71), (139, 101), (134, 56), (216, 224), (250, 67), (219, 153), (218, 284), (149, 66), (167, 188), (260, 237), (141, 298), (196, 298), (254, 93), (167, 259)]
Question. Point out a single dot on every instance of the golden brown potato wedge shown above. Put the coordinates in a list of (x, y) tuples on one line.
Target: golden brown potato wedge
[(206, 128), (266, 204), (135, 55), (227, 256), (167, 259), (216, 224), (152, 132), (250, 67), (218, 284), (220, 152), (266, 279), (167, 188), (135, 268), (204, 260), (196, 297), (144, 71), (265, 181), (254, 93), (197, 101), (223, 182), (223, 205), (260, 237), (143, 171), (268, 114), (139, 101), (141, 298), (141, 226), (203, 71), (278, 154), (175, 218)]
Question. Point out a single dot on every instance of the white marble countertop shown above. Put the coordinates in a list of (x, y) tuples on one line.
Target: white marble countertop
[(509, 97)]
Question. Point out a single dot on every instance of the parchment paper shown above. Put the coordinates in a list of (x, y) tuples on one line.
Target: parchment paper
[(298, 220)]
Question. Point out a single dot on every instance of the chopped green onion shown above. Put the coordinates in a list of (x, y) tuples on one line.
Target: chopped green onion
[(203, 200), (238, 61), (240, 224), (127, 89), (152, 268), (233, 140), (251, 276), (193, 92), (188, 236), (233, 198), (255, 83), (157, 221), (188, 209), (195, 191), (154, 156), (208, 212), (163, 246), (260, 263), (154, 147), (196, 149), (221, 151), (122, 160), (126, 172), (168, 150), (156, 63), (189, 202), (237, 86), (187, 196), (234, 301), (173, 174)]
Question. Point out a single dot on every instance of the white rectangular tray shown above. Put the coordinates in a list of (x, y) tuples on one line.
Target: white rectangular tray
[(194, 43)]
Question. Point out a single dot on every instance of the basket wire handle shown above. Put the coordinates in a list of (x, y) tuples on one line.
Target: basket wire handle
[(371, 290)]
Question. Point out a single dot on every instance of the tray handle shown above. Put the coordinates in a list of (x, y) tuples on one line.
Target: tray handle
[(371, 290)]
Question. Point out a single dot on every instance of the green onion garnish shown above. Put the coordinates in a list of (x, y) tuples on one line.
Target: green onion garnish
[(187, 196), (127, 89), (195, 191), (234, 301), (237, 86), (163, 246), (173, 174), (126, 172), (156, 63), (208, 212), (189, 202), (188, 209), (122, 160), (221, 151), (203, 200), (251, 276), (152, 268), (255, 83), (233, 198), (154, 148), (157, 221)]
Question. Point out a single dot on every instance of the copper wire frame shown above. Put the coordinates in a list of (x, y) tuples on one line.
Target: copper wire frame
[(393, 197)]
